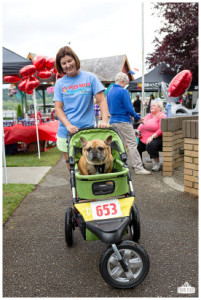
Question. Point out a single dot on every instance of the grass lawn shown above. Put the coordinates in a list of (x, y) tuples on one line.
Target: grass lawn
[(25, 159), (13, 194)]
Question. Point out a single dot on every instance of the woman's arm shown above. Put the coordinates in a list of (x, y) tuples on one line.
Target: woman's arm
[(102, 103), (62, 117), (158, 132), (128, 105)]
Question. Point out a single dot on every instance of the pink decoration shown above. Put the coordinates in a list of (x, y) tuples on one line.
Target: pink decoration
[(50, 89)]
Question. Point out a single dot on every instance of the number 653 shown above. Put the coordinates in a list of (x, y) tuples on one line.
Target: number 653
[(106, 209)]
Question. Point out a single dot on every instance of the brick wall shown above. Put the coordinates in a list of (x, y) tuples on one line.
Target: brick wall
[(191, 150), (172, 158), (173, 142)]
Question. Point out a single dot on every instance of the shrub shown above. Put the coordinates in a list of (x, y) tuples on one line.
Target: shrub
[(19, 111)]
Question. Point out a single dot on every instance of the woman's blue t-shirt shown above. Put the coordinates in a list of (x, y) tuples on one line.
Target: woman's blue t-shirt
[(76, 94)]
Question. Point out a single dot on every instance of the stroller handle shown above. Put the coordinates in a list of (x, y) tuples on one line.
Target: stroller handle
[(69, 135)]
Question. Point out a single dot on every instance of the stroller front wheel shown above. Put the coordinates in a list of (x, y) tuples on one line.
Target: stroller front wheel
[(69, 226), (136, 259), (134, 224)]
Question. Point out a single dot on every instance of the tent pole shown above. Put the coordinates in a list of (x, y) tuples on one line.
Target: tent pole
[(36, 120), (25, 102), (44, 108), (4, 159), (143, 96)]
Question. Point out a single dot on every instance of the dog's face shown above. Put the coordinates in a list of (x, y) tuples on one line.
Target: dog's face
[(96, 151)]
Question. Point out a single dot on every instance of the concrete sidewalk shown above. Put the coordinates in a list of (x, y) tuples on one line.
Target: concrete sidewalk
[(25, 175)]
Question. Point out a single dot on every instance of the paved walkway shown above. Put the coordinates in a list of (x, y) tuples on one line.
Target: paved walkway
[(37, 262), (26, 175), (33, 175)]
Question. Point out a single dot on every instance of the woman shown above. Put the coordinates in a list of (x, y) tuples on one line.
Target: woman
[(73, 97), (151, 98), (151, 134)]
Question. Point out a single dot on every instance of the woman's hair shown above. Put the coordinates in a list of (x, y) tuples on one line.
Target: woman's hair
[(159, 102), (62, 53), (121, 77)]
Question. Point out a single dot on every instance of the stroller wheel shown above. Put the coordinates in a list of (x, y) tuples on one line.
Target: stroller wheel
[(136, 260), (69, 226), (134, 224)]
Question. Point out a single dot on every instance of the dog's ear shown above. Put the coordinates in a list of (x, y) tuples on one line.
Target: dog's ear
[(108, 140), (83, 142)]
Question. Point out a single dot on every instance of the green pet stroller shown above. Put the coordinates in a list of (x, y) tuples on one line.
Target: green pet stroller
[(104, 209)]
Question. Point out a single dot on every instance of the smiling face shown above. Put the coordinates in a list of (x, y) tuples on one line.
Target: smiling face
[(68, 65), (155, 109)]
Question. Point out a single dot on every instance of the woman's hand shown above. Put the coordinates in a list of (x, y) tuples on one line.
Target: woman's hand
[(149, 140), (103, 124), (72, 129)]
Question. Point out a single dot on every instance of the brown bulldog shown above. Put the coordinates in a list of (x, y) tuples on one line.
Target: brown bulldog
[(96, 156)]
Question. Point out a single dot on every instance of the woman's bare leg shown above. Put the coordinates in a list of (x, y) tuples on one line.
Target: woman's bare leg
[(156, 160), (66, 159)]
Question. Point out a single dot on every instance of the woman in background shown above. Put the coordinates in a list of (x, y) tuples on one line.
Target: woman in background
[(151, 134), (149, 104)]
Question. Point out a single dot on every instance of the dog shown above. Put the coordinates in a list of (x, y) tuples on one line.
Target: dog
[(96, 156)]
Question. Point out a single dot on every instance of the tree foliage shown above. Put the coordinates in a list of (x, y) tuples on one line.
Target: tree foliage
[(176, 42)]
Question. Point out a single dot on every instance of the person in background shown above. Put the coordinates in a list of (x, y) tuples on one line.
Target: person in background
[(137, 108), (96, 112), (151, 97), (137, 104), (52, 114), (121, 111), (151, 134), (73, 98)]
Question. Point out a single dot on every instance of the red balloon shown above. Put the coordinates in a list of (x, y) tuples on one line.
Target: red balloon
[(28, 71), (22, 85), (50, 62), (180, 83), (29, 92), (32, 83), (12, 78), (54, 70), (39, 62), (58, 75), (44, 74)]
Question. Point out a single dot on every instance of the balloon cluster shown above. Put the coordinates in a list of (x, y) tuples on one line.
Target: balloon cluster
[(42, 68)]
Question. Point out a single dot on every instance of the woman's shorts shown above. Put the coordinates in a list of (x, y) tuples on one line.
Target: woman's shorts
[(62, 144)]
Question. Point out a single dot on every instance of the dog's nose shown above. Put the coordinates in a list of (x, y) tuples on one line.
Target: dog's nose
[(94, 153)]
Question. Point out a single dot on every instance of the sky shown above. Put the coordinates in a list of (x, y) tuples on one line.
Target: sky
[(94, 28)]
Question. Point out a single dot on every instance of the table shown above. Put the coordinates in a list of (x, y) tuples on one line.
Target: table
[(27, 134)]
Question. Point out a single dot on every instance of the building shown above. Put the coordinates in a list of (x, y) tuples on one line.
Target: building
[(105, 68)]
